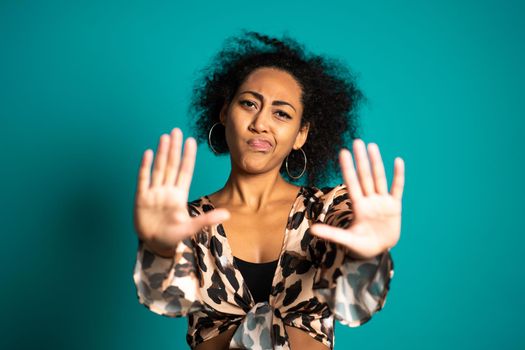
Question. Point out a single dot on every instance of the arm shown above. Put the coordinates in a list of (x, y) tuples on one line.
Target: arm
[(165, 273), (167, 286), (354, 287)]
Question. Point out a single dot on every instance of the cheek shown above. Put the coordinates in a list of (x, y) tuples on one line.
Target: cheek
[(234, 130), (234, 136), (238, 119), (287, 139)]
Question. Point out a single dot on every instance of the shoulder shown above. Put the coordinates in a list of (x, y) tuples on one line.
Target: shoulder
[(336, 194), (198, 206), (327, 194), (315, 202)]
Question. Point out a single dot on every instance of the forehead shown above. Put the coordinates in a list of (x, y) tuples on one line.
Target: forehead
[(274, 84)]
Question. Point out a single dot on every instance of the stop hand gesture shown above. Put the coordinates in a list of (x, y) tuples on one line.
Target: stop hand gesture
[(376, 223), (161, 215)]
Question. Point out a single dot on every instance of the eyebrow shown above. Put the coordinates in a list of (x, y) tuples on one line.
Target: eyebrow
[(275, 103)]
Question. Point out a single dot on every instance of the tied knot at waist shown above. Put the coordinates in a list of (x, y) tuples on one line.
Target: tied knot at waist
[(258, 330)]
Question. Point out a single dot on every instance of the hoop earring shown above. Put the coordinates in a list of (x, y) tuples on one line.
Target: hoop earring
[(209, 139), (304, 168)]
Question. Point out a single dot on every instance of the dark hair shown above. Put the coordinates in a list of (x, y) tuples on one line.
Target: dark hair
[(329, 95)]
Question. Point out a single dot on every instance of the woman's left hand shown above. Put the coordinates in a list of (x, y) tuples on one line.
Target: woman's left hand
[(376, 222)]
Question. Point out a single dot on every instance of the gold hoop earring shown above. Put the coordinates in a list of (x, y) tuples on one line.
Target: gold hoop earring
[(304, 168)]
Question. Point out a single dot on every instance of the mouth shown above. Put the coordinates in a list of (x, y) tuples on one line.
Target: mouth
[(261, 145)]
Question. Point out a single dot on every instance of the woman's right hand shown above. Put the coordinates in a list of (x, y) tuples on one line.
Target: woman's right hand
[(161, 215)]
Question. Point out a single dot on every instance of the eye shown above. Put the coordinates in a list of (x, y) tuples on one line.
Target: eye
[(283, 115), (247, 103)]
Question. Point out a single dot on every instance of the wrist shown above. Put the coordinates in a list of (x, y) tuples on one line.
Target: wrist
[(159, 251)]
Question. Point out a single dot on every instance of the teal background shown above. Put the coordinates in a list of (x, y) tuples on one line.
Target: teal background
[(87, 86)]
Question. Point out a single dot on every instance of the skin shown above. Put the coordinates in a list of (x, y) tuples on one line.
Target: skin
[(255, 189), (256, 199), (256, 196)]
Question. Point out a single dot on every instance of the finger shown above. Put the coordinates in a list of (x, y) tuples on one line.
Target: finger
[(212, 217), (144, 172), (378, 169), (172, 168), (359, 246), (332, 234), (398, 183), (349, 175), (160, 161), (363, 167), (188, 164)]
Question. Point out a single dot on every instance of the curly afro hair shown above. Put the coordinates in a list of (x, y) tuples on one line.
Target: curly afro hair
[(330, 99)]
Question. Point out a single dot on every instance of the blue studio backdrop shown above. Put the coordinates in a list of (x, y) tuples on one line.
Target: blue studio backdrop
[(87, 86)]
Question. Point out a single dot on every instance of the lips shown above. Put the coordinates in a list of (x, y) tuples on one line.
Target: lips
[(260, 144)]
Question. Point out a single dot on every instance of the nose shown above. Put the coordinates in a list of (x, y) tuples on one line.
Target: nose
[(261, 120)]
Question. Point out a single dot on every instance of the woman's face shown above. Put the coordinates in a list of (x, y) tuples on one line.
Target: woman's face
[(263, 120)]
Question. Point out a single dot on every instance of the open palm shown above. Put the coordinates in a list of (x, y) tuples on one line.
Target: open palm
[(161, 215), (376, 222)]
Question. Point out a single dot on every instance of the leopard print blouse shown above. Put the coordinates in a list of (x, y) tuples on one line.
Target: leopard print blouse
[(315, 282)]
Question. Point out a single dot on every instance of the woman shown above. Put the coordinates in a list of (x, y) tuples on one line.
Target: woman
[(263, 263)]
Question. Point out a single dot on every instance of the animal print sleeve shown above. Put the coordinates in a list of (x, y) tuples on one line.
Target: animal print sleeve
[(354, 289), (168, 286)]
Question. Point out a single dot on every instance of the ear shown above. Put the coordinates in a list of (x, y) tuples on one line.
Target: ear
[(222, 114), (301, 137)]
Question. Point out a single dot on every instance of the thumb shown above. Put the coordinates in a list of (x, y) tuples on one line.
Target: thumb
[(333, 234), (212, 217)]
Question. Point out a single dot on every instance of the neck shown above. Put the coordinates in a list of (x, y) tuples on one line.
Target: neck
[(253, 191)]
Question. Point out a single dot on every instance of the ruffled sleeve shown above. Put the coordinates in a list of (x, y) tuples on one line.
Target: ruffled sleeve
[(354, 289), (168, 286)]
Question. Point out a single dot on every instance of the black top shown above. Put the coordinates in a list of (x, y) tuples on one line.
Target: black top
[(258, 277)]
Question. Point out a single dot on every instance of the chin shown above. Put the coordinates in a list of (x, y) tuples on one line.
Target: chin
[(255, 164), (255, 167)]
